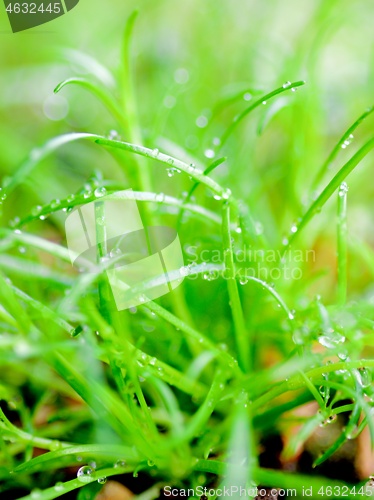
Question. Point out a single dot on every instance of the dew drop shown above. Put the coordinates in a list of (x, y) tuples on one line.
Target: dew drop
[(55, 203), (226, 194), (293, 89), (343, 189), (59, 486), (286, 85), (120, 464), (114, 135), (264, 103), (84, 474), (155, 153), (102, 480), (209, 153), (247, 96), (294, 228), (87, 194), (365, 377), (100, 191)]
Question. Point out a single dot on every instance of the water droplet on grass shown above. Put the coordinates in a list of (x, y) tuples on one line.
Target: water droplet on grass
[(247, 96), (293, 89), (102, 480), (14, 222), (294, 228), (120, 463), (55, 203), (226, 194), (59, 486), (114, 135), (286, 85), (100, 191), (155, 153), (209, 153), (84, 474), (364, 377), (343, 189)]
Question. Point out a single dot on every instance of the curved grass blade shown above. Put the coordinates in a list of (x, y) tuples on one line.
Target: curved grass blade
[(256, 104), (317, 205), (109, 102), (191, 170), (70, 202), (346, 137), (89, 450), (41, 153), (63, 488)]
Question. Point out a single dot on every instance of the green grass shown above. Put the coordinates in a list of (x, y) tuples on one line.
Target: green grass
[(183, 390)]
